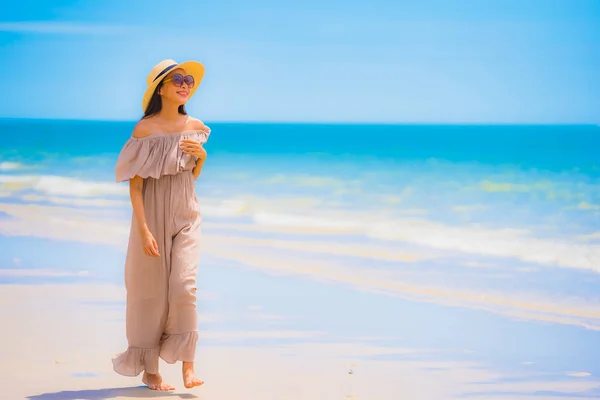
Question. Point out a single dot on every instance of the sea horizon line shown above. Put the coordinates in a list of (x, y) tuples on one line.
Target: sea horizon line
[(315, 123)]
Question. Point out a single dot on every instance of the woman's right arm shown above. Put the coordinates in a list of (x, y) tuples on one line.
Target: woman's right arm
[(137, 202), (136, 184)]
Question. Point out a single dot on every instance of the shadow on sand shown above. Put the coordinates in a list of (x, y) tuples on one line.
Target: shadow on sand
[(138, 392)]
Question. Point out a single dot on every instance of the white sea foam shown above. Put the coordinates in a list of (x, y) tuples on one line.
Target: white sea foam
[(10, 166), (516, 305), (587, 206), (519, 244), (57, 185), (41, 273), (590, 236), (579, 374), (224, 208), (83, 202), (96, 226), (291, 214), (62, 186), (514, 243), (63, 223), (303, 221)]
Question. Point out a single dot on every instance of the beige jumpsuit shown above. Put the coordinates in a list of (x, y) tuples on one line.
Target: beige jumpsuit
[(162, 320)]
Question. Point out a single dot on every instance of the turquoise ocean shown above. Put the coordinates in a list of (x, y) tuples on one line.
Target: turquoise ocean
[(479, 241)]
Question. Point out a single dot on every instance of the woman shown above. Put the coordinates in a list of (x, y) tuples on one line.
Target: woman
[(161, 161)]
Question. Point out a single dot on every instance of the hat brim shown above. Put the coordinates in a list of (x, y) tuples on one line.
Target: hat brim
[(193, 68)]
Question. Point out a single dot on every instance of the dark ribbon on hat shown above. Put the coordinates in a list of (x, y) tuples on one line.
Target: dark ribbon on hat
[(164, 71)]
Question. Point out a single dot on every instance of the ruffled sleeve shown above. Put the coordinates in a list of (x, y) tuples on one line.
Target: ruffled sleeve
[(134, 157), (156, 155)]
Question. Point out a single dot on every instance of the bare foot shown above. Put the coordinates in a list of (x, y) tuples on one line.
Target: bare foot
[(155, 382), (189, 378)]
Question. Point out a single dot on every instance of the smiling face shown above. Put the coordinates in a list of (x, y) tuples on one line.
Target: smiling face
[(171, 89)]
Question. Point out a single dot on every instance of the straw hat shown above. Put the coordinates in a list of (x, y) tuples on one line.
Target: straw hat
[(160, 71)]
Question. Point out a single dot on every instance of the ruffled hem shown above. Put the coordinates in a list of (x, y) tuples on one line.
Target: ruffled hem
[(156, 155), (135, 360), (178, 347)]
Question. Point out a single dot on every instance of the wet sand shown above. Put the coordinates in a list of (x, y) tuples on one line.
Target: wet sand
[(59, 338)]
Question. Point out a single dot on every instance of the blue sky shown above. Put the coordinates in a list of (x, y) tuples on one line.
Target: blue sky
[(378, 61)]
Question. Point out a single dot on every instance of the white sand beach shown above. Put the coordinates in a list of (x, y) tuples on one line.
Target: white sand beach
[(59, 339)]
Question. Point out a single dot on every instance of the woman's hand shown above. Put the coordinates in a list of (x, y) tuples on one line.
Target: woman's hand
[(193, 148), (150, 245)]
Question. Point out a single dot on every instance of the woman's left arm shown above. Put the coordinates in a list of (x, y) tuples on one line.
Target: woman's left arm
[(194, 148), (198, 167)]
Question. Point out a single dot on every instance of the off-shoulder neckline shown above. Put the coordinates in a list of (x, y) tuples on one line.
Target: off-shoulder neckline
[(164, 134)]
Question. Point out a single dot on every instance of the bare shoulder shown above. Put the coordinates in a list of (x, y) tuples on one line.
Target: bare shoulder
[(143, 128), (195, 123)]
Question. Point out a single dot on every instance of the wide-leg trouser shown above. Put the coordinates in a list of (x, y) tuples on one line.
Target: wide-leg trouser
[(162, 319)]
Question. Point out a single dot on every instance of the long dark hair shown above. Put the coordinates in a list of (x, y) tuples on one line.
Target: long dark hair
[(155, 104)]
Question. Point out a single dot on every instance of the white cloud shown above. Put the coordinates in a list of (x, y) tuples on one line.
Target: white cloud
[(63, 28)]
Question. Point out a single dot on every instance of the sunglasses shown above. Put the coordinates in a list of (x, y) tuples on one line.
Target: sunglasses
[(178, 80)]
